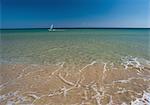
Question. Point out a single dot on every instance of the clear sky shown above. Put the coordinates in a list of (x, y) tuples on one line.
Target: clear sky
[(75, 13)]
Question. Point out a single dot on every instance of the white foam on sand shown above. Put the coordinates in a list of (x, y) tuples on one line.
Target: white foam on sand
[(134, 62), (145, 100), (92, 63), (8, 95)]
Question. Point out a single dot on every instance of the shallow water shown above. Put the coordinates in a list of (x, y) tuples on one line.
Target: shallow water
[(75, 67), (73, 45)]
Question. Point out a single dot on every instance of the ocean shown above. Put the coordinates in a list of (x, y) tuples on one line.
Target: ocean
[(113, 65), (73, 45)]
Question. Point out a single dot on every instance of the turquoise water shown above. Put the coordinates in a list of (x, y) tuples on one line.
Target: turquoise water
[(74, 46)]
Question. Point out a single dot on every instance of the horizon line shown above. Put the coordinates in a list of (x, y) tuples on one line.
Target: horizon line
[(80, 28)]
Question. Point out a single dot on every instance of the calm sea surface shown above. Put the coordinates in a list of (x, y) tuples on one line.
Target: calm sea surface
[(38, 46)]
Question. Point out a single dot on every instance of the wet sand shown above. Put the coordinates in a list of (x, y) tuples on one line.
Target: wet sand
[(92, 84)]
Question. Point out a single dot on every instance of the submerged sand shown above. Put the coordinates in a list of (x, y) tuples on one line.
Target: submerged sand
[(92, 84)]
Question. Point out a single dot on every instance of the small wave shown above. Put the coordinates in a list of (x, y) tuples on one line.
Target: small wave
[(145, 100), (134, 62)]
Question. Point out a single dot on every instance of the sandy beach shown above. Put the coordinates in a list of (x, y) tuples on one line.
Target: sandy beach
[(92, 84)]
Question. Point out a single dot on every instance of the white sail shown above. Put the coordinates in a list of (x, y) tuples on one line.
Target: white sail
[(51, 28)]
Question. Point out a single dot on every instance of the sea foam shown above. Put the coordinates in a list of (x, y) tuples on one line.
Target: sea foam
[(145, 100), (134, 62)]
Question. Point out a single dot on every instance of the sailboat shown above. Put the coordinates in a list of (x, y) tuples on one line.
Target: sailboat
[(51, 28)]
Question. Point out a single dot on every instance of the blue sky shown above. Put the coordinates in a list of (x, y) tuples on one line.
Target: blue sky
[(75, 13)]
